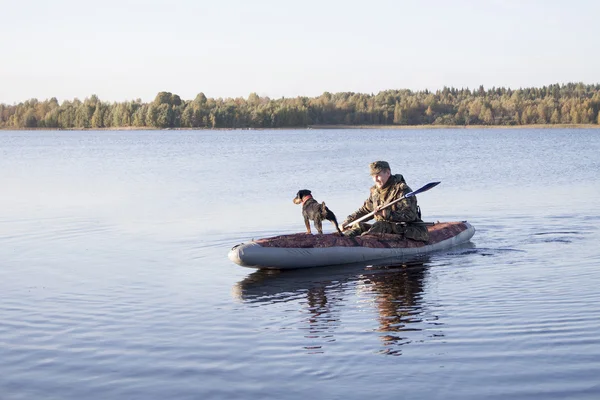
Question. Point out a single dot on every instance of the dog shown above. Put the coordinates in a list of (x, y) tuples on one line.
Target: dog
[(312, 210)]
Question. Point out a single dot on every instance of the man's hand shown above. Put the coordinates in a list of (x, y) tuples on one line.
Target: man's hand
[(344, 225)]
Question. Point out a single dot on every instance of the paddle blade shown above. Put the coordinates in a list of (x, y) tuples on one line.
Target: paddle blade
[(423, 189)]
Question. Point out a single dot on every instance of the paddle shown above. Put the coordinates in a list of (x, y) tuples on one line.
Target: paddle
[(391, 203)]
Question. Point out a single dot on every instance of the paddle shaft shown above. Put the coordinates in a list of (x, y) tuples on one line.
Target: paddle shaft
[(391, 203)]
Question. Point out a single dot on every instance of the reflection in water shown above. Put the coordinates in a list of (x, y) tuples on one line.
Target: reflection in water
[(323, 317), (396, 290), (398, 301), (317, 291)]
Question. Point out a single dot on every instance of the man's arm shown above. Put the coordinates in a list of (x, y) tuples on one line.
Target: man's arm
[(366, 208)]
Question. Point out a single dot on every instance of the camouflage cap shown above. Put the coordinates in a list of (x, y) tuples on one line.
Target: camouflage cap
[(377, 166)]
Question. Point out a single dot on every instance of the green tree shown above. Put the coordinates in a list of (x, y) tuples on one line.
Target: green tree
[(97, 120), (486, 115), (398, 117), (139, 116), (164, 116), (82, 116), (29, 119), (163, 98)]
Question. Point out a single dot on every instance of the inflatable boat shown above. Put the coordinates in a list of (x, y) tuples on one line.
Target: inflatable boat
[(303, 250)]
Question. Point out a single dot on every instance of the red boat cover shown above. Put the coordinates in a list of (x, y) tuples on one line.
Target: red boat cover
[(437, 233)]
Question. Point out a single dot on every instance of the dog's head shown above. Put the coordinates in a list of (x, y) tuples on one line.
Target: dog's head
[(300, 195)]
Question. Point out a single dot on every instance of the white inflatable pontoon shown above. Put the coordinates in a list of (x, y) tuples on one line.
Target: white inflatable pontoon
[(307, 251)]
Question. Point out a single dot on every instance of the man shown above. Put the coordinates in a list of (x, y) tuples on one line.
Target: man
[(397, 219)]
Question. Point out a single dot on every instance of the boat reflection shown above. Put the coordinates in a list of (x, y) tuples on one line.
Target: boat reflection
[(391, 292)]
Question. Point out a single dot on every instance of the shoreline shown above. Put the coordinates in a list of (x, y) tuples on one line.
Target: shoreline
[(324, 127), (530, 126)]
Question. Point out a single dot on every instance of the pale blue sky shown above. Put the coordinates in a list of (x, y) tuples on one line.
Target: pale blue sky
[(128, 49)]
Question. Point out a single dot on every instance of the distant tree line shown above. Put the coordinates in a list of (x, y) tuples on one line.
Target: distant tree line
[(572, 103)]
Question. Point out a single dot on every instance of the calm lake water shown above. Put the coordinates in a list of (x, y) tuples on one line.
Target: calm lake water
[(115, 282)]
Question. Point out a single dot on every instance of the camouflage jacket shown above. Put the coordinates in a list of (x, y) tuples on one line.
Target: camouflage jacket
[(403, 211)]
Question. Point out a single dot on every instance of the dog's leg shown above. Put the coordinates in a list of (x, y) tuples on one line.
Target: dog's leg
[(308, 232), (319, 225)]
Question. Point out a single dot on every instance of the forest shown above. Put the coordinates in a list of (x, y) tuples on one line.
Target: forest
[(571, 103)]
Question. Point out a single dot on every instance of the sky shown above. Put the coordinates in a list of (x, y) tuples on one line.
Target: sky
[(129, 49)]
